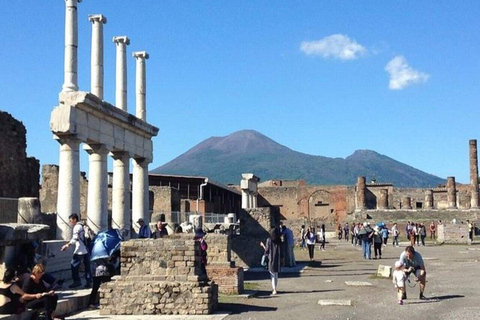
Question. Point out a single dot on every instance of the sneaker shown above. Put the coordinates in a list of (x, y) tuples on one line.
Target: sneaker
[(75, 285), (274, 292), (400, 302)]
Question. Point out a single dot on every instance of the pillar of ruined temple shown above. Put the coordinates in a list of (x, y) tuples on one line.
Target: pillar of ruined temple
[(428, 199), (68, 198), (121, 72), (140, 84), (97, 203), (121, 191), (451, 193), (140, 199), (383, 199), (361, 186), (245, 199), (71, 43), (474, 173), (96, 74), (407, 203)]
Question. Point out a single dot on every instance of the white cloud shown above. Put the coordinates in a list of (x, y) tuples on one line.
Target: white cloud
[(337, 46), (402, 75)]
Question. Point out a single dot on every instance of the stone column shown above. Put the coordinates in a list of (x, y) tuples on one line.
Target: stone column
[(121, 72), (121, 192), (245, 200), (71, 44), (140, 199), (361, 193), (474, 173), (407, 203), (451, 193), (96, 75), (383, 199), (140, 84), (97, 206), (428, 199), (254, 200), (68, 198)]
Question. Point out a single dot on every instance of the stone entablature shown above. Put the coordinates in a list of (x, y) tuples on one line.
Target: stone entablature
[(161, 276), (88, 118)]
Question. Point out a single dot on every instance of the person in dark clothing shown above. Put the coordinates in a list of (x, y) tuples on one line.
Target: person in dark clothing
[(272, 250), (11, 296), (35, 285)]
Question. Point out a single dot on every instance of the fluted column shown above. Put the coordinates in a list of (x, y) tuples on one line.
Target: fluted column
[(96, 75), (71, 43), (68, 198), (140, 199), (121, 72), (140, 84), (451, 193), (474, 173), (361, 193), (97, 206), (121, 192)]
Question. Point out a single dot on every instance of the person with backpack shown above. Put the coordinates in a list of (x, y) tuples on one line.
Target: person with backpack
[(80, 253)]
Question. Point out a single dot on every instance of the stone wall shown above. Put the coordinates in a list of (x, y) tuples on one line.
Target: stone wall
[(160, 276), (165, 200), (453, 233), (19, 173)]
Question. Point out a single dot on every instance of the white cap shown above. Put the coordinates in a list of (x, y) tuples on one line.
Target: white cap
[(398, 264), (364, 224)]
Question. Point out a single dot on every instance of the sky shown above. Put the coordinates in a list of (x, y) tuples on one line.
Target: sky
[(325, 78)]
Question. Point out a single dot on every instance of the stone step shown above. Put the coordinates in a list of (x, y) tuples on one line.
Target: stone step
[(69, 301)]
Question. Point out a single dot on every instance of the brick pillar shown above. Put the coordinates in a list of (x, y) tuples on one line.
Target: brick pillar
[(451, 193), (407, 203), (474, 173), (383, 200), (428, 199), (360, 193)]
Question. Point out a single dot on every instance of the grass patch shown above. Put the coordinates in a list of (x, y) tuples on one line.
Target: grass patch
[(251, 286)]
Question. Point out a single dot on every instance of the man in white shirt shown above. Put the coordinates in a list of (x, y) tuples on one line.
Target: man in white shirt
[(80, 253)]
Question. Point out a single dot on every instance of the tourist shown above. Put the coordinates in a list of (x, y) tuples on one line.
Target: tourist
[(423, 233), (384, 231), (310, 238), (395, 234), (160, 230), (413, 262), (35, 285), (377, 242), (408, 227), (272, 250), (352, 232), (80, 253), (416, 232), (356, 230), (366, 235), (359, 228), (433, 231), (346, 231), (289, 246), (302, 238), (144, 232), (411, 232), (322, 237), (11, 295), (470, 230), (339, 231), (200, 237), (103, 271), (399, 278)]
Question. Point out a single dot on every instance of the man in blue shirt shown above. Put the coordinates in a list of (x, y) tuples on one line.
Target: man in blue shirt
[(413, 263), (144, 231)]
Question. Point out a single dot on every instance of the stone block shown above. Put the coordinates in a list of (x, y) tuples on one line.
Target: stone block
[(384, 271)]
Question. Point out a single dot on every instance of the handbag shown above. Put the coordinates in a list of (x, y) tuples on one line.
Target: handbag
[(264, 261)]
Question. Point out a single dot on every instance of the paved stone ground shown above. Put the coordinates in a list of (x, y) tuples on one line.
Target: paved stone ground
[(452, 288)]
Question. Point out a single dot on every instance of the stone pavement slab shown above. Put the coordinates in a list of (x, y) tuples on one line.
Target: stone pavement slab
[(335, 302), (95, 314)]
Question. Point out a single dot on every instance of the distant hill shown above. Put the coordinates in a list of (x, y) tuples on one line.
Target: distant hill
[(224, 159)]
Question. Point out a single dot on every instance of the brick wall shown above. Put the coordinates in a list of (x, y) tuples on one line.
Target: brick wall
[(160, 276), (452, 233)]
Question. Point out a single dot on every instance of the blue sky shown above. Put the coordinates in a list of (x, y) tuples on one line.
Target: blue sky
[(320, 77)]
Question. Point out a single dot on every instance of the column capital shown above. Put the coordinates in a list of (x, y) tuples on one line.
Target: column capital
[(97, 18), (140, 55), (121, 39), (96, 148)]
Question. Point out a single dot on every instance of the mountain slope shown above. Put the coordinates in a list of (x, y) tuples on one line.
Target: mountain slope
[(224, 159)]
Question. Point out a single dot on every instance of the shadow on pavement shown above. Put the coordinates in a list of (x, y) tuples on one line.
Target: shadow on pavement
[(237, 308)]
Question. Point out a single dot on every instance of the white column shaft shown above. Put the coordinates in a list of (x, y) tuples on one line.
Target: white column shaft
[(71, 44), (121, 192), (97, 73), (140, 85), (97, 207), (140, 199), (121, 72), (254, 200), (68, 200), (245, 198)]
